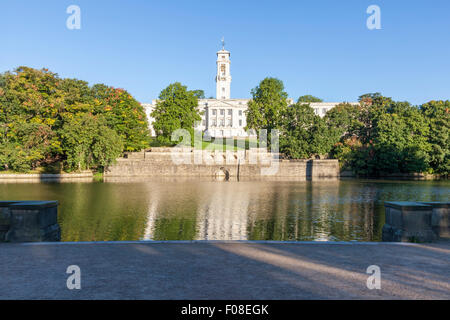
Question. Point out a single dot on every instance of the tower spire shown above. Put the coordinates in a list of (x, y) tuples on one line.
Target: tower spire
[(223, 43)]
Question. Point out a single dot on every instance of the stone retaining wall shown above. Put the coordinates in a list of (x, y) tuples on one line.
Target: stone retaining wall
[(36, 177), (210, 164)]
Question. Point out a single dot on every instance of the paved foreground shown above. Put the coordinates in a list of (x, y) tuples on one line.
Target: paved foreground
[(218, 270)]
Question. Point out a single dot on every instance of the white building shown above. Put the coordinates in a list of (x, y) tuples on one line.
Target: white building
[(223, 116)]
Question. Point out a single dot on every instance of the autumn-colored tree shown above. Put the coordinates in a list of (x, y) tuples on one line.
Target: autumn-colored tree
[(124, 114), (39, 111)]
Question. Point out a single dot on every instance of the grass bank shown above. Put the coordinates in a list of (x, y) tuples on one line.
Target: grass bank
[(221, 144)]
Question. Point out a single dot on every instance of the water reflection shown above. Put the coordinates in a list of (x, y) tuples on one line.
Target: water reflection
[(174, 209), (223, 212)]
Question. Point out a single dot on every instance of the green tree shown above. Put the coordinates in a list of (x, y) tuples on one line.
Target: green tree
[(346, 119), (200, 94), (391, 140), (267, 107), (381, 136), (177, 108), (399, 143), (373, 106), (304, 134), (88, 142), (437, 114), (309, 98)]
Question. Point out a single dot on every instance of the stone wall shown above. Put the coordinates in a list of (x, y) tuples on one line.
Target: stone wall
[(211, 164), (86, 176)]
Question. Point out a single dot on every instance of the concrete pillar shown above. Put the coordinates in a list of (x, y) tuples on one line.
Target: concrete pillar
[(5, 218), (30, 221), (408, 222), (440, 218)]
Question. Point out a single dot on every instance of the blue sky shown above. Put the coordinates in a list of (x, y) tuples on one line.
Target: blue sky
[(316, 47)]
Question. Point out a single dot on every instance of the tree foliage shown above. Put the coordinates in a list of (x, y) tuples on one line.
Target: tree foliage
[(438, 117), (177, 108), (375, 137), (303, 133), (200, 94), (309, 98), (268, 105), (88, 141), (39, 111), (123, 113), (381, 136)]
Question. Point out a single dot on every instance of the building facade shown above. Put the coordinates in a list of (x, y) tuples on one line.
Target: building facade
[(223, 116)]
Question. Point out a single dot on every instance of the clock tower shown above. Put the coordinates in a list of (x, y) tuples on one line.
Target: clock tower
[(223, 78)]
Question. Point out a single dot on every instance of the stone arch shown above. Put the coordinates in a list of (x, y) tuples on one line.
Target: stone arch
[(222, 174)]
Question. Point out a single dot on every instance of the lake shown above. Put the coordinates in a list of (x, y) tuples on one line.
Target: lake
[(191, 209)]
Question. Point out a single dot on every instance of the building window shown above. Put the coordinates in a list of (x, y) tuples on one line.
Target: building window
[(229, 122), (240, 112), (204, 122), (214, 112), (222, 112), (222, 122), (324, 111), (240, 123), (230, 112), (223, 89), (214, 123)]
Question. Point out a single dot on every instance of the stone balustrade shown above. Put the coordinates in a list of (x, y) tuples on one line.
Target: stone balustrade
[(29, 221), (416, 221)]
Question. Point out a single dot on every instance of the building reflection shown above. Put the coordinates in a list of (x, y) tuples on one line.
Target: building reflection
[(223, 214), (256, 211), (153, 202)]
